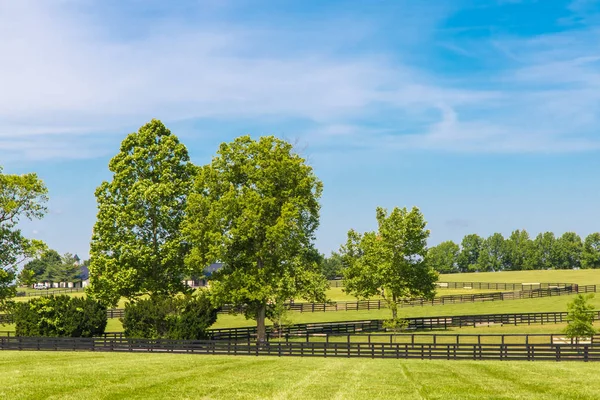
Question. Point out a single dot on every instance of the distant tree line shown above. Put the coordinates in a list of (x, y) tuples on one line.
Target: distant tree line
[(518, 252), (52, 267)]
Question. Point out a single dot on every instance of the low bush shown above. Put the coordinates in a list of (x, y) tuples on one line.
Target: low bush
[(186, 317), (59, 316)]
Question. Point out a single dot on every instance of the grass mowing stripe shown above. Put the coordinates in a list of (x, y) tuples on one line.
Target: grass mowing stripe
[(30, 375)]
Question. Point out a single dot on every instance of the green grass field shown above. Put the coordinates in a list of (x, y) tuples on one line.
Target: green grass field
[(582, 277), (36, 375)]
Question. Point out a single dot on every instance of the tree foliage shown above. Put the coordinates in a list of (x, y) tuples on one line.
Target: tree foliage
[(590, 257), (21, 196), (136, 245), (47, 261), (391, 261), (519, 251), (332, 266), (544, 251), (255, 208), (493, 254), (470, 250), (444, 257), (580, 317), (568, 250), (59, 316), (168, 317)]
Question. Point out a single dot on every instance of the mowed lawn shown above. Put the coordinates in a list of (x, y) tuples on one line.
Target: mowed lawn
[(49, 375), (582, 277)]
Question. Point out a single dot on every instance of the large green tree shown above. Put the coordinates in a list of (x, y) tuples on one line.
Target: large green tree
[(255, 208), (39, 266), (568, 251), (469, 255), (391, 261), (332, 266), (519, 251), (21, 196), (136, 246), (444, 257), (493, 253), (590, 257), (544, 251)]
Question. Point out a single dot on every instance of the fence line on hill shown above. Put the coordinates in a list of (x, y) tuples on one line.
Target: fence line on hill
[(48, 292), (367, 305), (415, 324), (504, 352), (548, 290)]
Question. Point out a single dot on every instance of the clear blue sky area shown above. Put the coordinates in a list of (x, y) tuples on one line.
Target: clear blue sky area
[(482, 113)]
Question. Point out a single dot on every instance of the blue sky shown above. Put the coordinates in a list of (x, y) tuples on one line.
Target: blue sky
[(482, 113)]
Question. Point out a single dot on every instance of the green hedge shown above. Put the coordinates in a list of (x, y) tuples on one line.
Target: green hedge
[(186, 317), (59, 316)]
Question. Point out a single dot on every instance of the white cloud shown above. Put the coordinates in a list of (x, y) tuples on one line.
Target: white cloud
[(66, 82)]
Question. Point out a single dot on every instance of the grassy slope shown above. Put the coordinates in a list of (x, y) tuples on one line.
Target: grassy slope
[(582, 277), (35, 375)]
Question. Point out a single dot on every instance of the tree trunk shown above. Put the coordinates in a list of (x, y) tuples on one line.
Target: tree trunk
[(260, 323)]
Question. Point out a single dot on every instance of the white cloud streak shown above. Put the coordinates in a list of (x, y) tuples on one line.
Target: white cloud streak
[(66, 82)]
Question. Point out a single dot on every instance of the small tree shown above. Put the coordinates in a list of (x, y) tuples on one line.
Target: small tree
[(390, 262), (580, 318), (279, 313)]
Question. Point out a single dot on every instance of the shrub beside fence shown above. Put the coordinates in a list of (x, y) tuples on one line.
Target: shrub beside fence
[(529, 352)]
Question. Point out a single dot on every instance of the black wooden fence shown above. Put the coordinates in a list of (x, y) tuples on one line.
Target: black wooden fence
[(366, 305), (530, 352), (415, 324), (48, 292)]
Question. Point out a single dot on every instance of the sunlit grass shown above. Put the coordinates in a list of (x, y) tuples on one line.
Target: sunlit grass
[(83, 375)]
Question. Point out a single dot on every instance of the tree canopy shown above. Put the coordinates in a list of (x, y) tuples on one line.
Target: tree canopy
[(136, 245), (444, 257), (391, 261), (21, 196), (255, 208)]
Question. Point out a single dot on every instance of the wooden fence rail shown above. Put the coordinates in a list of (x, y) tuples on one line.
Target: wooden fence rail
[(48, 292), (504, 352), (417, 324), (407, 338)]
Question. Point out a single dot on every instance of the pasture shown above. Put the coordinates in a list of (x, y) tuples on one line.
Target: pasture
[(70, 375), (582, 276)]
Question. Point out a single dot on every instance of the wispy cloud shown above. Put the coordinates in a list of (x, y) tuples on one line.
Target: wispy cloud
[(68, 80)]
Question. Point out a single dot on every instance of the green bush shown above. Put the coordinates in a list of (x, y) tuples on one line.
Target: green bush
[(59, 316), (186, 317)]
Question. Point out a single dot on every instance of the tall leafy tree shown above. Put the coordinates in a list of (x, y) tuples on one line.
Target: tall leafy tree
[(519, 250), (544, 251), (332, 266), (470, 250), (137, 247), (255, 208), (391, 261), (38, 266), (568, 251), (493, 253), (590, 257), (444, 257), (70, 267), (21, 196)]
